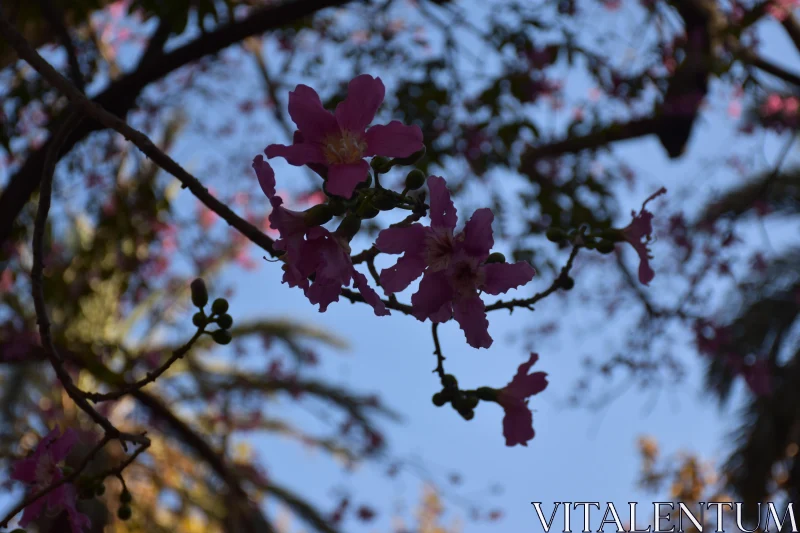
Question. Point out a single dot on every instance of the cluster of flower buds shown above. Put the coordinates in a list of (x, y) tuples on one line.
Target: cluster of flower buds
[(219, 313)]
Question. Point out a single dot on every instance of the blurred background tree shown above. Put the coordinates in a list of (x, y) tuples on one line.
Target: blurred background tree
[(493, 85)]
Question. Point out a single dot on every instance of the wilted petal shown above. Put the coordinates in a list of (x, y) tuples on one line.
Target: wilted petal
[(265, 175), (470, 313), (297, 154), (342, 179), (394, 139), (478, 238), (501, 277), (407, 269), (370, 296), (365, 94), (313, 120), (443, 211), (433, 293)]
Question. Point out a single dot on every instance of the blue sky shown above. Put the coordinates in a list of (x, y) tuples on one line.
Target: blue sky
[(577, 454)]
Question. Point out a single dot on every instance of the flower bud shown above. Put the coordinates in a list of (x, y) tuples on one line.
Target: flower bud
[(467, 414), (317, 215), (225, 321), (555, 234), (199, 293), (439, 399), (472, 401), (220, 306), (199, 319), (567, 283), (18, 530), (449, 381), (222, 336), (124, 512), (366, 183), (337, 207), (605, 247), (384, 201), (349, 227), (496, 257), (410, 160), (366, 210), (381, 164), (415, 179), (125, 496)]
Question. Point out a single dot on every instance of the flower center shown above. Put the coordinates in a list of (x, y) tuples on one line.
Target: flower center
[(465, 276), (439, 249), (344, 147)]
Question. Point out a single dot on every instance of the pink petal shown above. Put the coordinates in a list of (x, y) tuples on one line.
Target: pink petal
[(501, 277), (470, 313), (434, 292), (365, 94), (524, 385), (61, 447), (646, 274), (265, 175), (394, 139), (518, 425), (297, 154), (313, 120), (478, 239), (402, 239), (370, 296), (32, 512), (324, 293), (25, 470), (443, 211), (407, 269), (342, 179)]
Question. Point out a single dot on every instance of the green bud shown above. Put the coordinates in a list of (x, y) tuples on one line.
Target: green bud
[(222, 336), (449, 381), (380, 164), (496, 257), (199, 293), (317, 215), (199, 319), (415, 179), (349, 227), (220, 306), (605, 247), (18, 530), (366, 183), (467, 414), (100, 490), (384, 201), (567, 283), (459, 402), (589, 244), (472, 401), (225, 321), (439, 399), (486, 393), (556, 234), (410, 160), (367, 210), (337, 207), (125, 496), (124, 512)]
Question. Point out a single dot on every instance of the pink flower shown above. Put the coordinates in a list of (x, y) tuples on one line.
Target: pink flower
[(313, 250), (40, 470), (518, 420), (338, 141), (641, 228), (453, 266)]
